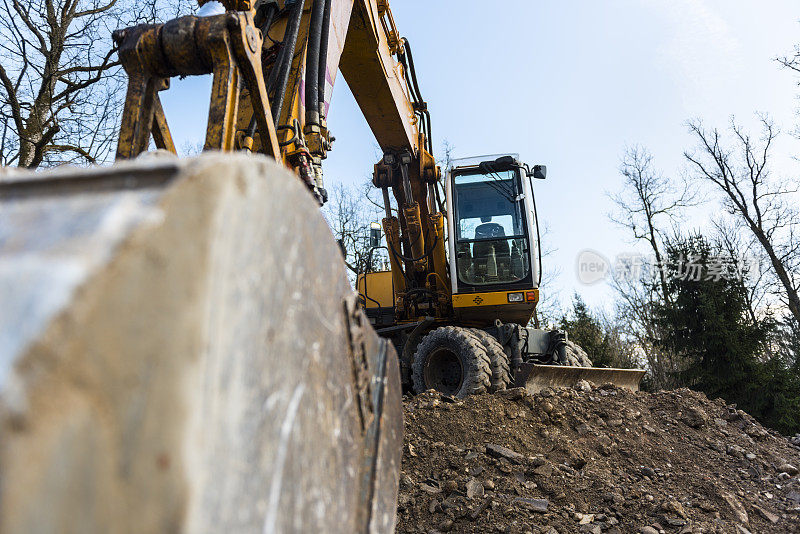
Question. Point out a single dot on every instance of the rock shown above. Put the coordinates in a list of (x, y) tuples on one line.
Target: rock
[(498, 451), (479, 510), (648, 472), (450, 486), (590, 528), (674, 522), (533, 505), (577, 462), (512, 394), (583, 385), (474, 489), (584, 519), (547, 407), (695, 417), (769, 516), (536, 461), (488, 484), (648, 530), (787, 468), (427, 488), (741, 530), (673, 506), (613, 497), (794, 496), (545, 470), (449, 503), (735, 506)]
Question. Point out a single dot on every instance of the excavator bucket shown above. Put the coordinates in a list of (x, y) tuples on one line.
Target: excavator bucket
[(535, 377), (180, 351)]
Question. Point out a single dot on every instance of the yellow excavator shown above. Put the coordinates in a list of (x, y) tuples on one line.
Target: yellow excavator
[(180, 349), (465, 269), (464, 282)]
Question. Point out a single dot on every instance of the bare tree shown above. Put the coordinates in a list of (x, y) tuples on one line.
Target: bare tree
[(549, 308), (638, 298), (792, 60), (741, 247), (649, 203), (62, 85), (763, 206), (349, 212)]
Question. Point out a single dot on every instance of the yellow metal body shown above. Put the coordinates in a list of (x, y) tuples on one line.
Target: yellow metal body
[(376, 289), (227, 46), (483, 308)]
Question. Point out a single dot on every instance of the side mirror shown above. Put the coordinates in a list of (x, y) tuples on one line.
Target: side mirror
[(539, 172)]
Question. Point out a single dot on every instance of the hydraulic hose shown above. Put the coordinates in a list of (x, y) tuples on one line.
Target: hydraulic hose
[(322, 71), (313, 61), (412, 71), (285, 57)]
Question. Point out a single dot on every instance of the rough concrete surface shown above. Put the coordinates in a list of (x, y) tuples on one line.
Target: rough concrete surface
[(176, 355)]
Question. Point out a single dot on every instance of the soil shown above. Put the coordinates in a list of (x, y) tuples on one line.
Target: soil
[(601, 460)]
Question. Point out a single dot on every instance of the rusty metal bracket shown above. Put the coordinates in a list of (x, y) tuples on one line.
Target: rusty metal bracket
[(227, 46)]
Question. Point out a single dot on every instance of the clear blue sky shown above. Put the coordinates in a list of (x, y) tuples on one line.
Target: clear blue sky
[(570, 84)]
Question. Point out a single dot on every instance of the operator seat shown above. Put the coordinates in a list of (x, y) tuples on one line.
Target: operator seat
[(482, 252)]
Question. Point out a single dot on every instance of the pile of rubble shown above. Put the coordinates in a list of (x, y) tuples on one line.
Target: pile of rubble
[(598, 460)]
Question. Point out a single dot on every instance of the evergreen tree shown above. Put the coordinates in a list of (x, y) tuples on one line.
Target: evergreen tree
[(725, 351), (601, 341)]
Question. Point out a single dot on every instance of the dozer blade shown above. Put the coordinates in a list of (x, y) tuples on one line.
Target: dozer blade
[(181, 351), (535, 377)]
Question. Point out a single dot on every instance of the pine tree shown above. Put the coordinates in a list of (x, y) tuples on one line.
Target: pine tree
[(601, 341), (725, 351)]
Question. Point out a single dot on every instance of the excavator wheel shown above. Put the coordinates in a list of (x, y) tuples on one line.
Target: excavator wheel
[(574, 356), (498, 360), (453, 361)]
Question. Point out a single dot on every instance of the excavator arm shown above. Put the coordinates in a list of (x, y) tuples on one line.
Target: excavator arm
[(274, 66)]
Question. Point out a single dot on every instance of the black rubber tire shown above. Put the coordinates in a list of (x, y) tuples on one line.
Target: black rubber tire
[(462, 360), (575, 356), (498, 360)]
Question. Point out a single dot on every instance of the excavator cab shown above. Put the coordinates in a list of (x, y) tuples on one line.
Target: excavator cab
[(483, 341), (494, 250)]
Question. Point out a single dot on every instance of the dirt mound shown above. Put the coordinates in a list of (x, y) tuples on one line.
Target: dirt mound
[(596, 460)]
